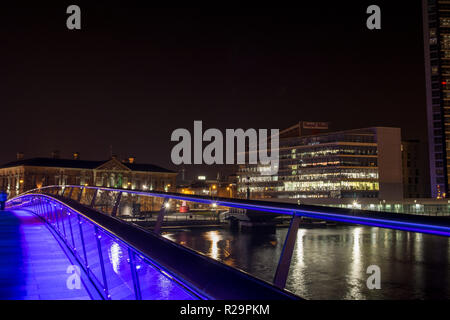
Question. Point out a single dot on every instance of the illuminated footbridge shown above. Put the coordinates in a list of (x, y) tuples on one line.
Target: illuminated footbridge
[(71, 242)]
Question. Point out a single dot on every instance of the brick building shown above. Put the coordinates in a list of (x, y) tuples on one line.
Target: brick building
[(26, 174)]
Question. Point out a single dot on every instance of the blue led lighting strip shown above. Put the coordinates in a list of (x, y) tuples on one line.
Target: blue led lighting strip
[(284, 209)]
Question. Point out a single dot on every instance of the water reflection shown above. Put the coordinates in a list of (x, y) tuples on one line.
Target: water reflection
[(299, 249), (331, 263), (418, 246), (214, 238), (355, 274), (298, 268)]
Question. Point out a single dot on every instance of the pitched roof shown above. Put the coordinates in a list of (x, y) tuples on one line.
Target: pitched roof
[(146, 167), (80, 164), (52, 162)]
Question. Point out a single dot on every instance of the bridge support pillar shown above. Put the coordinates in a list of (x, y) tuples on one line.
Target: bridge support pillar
[(93, 198), (159, 220), (116, 205), (70, 193), (80, 194), (285, 258)]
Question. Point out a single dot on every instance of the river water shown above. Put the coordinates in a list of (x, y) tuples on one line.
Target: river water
[(332, 262)]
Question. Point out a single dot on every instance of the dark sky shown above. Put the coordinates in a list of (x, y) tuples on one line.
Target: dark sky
[(134, 74)]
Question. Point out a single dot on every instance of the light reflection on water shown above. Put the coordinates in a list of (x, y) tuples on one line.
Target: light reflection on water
[(214, 238), (354, 277), (299, 267), (331, 263)]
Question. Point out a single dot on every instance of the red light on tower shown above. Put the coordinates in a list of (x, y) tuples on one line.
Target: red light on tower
[(444, 82)]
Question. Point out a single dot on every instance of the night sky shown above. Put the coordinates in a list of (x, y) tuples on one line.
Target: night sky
[(134, 74)]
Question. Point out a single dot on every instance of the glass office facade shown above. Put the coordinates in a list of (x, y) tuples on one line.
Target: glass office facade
[(333, 165)]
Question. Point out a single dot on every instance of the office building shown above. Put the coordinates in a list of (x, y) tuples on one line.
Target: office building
[(360, 163), (436, 29), (414, 164)]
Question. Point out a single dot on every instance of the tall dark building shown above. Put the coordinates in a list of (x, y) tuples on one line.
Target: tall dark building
[(414, 170), (436, 25)]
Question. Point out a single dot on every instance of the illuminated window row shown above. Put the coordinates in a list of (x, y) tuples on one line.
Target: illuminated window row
[(328, 186)]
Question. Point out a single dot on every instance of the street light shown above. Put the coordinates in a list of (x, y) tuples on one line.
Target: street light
[(213, 187)]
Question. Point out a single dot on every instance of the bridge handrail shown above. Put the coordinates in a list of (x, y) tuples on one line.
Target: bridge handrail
[(406, 222), (207, 279)]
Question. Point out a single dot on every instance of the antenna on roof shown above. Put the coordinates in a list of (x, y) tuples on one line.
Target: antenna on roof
[(183, 172), (110, 151)]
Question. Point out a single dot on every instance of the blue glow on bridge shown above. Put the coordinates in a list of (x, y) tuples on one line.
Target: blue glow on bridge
[(34, 260), (32, 264)]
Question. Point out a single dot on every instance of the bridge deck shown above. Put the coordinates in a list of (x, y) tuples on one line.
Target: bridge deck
[(33, 264)]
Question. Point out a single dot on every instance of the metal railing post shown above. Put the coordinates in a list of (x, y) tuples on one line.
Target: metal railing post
[(62, 222), (70, 193), (44, 209), (55, 214), (82, 242), (48, 212), (71, 231), (93, 198), (116, 204), (134, 275), (284, 263), (160, 219), (36, 206), (79, 195), (100, 256)]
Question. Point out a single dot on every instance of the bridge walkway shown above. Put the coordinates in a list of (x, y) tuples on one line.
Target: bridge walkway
[(34, 263)]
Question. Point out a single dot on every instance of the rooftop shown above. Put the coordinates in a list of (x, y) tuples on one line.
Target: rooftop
[(81, 164)]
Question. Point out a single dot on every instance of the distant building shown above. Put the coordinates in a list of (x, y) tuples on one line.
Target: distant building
[(26, 174), (414, 165), (360, 163), (436, 29), (305, 128), (225, 188)]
